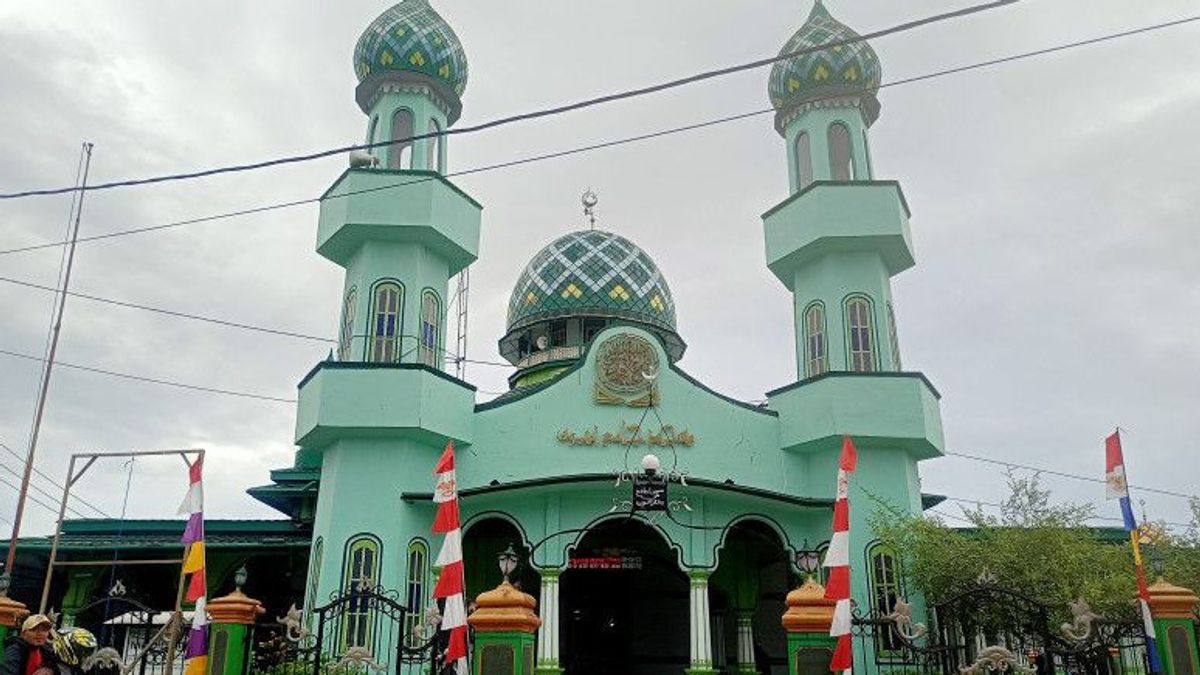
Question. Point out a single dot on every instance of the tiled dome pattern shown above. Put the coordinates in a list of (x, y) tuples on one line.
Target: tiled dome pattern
[(592, 273), (846, 69), (412, 37)]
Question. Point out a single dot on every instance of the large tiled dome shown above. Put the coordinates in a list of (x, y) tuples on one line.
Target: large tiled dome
[(411, 37)]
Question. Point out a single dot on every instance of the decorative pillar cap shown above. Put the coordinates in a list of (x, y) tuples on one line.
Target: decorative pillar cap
[(12, 612), (505, 609), (1168, 601), (808, 610), (235, 608)]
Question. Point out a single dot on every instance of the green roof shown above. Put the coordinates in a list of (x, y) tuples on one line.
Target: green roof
[(108, 533)]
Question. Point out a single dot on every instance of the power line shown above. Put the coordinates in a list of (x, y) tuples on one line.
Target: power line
[(54, 483), (171, 312), (140, 378), (980, 502), (599, 146), (31, 498), (1064, 474), (41, 490), (536, 114)]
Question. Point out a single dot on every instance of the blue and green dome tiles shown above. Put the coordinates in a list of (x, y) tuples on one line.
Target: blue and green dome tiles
[(850, 70), (412, 38), (592, 273)]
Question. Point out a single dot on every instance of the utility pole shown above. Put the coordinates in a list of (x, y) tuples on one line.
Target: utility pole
[(49, 367)]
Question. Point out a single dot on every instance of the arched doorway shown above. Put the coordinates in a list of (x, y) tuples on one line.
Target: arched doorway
[(624, 604), (747, 591), (483, 540)]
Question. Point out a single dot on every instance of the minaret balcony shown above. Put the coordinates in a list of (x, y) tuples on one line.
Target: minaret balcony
[(837, 217), (411, 206), (340, 399), (897, 409)]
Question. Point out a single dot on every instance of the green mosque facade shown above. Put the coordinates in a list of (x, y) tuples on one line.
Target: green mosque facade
[(592, 335)]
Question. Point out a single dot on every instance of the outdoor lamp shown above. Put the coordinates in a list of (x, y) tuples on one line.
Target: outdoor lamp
[(239, 577), (808, 560), (1158, 563), (508, 561), (650, 464)]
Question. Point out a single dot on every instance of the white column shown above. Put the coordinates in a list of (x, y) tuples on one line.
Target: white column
[(547, 640), (701, 624), (745, 641)]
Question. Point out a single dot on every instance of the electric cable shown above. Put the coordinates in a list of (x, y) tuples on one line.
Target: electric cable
[(41, 490), (54, 483), (30, 497), (537, 114), (599, 146), (1064, 474), (152, 380), (980, 502)]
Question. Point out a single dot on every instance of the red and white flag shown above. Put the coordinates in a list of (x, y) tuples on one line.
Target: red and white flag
[(450, 582), (837, 559)]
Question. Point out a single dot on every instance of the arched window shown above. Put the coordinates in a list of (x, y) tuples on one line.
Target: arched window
[(431, 315), (841, 162), (895, 342), (314, 574), (885, 588), (867, 154), (361, 573), (804, 166), (400, 153), (814, 340), (434, 157), (371, 131), (860, 335), (346, 335), (386, 322), (415, 588)]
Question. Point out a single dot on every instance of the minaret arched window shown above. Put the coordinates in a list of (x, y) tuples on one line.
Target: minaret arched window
[(361, 573), (885, 587), (371, 132), (415, 589), (431, 316), (860, 334), (346, 334), (804, 165), (814, 340), (841, 161), (433, 159), (386, 315), (895, 341), (400, 152)]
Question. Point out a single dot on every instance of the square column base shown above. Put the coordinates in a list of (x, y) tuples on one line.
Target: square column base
[(547, 670), (700, 671)]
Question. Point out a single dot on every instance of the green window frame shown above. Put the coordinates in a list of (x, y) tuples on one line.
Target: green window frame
[(430, 339), (387, 321), (816, 347), (361, 570), (860, 334), (314, 575), (346, 335), (886, 588), (416, 589), (893, 339)]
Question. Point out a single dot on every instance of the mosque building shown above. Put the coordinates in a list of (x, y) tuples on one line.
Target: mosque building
[(696, 581)]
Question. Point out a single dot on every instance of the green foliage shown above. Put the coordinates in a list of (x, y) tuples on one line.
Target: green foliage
[(1039, 549)]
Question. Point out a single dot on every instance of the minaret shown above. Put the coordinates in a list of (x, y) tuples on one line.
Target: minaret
[(398, 227), (838, 239), (372, 422)]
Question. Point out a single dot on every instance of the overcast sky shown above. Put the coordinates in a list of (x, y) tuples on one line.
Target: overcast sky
[(1054, 218)]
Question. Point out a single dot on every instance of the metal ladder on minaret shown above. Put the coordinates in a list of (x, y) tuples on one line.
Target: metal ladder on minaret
[(460, 342)]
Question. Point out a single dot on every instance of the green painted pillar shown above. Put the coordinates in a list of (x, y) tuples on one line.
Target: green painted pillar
[(232, 620), (807, 621), (701, 626), (505, 624), (1173, 609), (547, 641)]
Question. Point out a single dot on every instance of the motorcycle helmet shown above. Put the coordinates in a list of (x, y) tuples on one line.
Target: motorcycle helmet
[(73, 645)]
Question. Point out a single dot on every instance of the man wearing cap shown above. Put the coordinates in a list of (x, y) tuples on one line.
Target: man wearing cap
[(28, 653)]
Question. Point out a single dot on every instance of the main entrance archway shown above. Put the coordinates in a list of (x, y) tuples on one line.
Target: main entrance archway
[(624, 604)]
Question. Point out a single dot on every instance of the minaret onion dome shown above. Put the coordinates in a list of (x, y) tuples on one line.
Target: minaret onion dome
[(577, 286), (846, 72), (411, 46)]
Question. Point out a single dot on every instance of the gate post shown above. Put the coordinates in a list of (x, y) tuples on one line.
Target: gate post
[(807, 622), (233, 617), (504, 624), (1173, 610)]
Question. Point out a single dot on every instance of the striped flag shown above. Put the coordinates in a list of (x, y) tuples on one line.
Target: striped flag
[(837, 559), (1116, 487), (196, 656), (450, 581)]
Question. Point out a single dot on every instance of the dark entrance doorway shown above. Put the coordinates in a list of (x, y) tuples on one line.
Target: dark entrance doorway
[(623, 603)]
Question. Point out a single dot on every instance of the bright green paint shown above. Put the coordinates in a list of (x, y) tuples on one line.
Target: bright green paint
[(228, 649), (815, 122), (1166, 651), (520, 645), (799, 642)]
